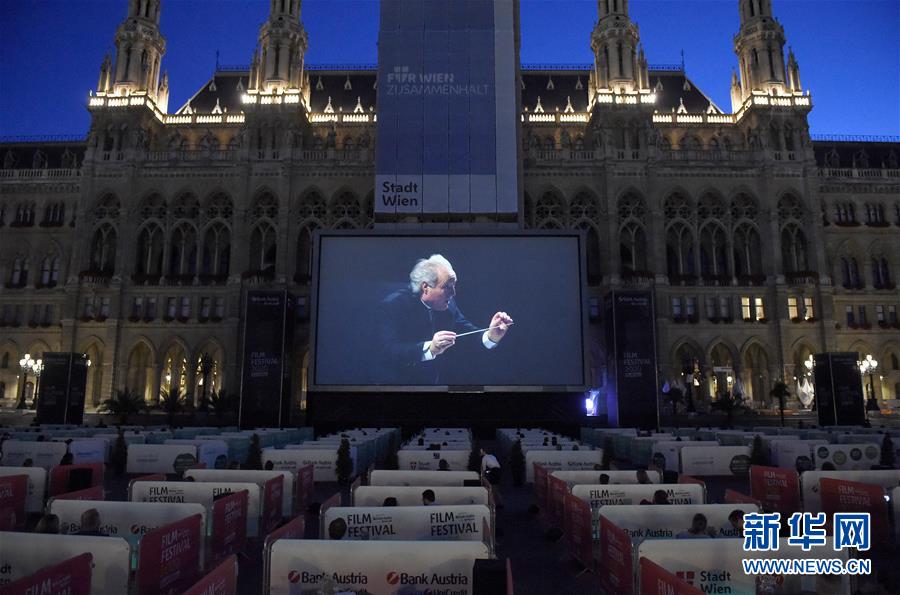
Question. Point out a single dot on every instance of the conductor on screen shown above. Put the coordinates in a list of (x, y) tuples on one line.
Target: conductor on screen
[(420, 323)]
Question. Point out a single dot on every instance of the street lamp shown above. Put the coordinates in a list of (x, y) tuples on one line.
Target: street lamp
[(868, 366), (36, 368), (206, 365), (25, 364)]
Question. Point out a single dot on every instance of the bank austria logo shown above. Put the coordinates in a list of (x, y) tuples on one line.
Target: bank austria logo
[(423, 578)]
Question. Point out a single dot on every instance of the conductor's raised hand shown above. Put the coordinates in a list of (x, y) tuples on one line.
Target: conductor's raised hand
[(441, 342), (499, 325)]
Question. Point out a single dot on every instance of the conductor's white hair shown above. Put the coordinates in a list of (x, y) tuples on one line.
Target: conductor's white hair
[(426, 270)]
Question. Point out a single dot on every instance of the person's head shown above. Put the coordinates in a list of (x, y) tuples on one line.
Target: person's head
[(434, 281), (481, 452), (337, 529), (67, 459), (660, 497), (642, 476), (49, 523), (90, 520), (828, 466), (443, 465), (428, 497), (389, 501), (698, 524), (269, 465), (28, 463), (736, 518), (604, 478)]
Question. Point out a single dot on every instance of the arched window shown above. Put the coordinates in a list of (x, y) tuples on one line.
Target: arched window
[(850, 273), (45, 271), (263, 248), (632, 213), (303, 270), (19, 276), (149, 259), (265, 205), (881, 273), (679, 251), (713, 251), (103, 249), (216, 250), (345, 211), (550, 211), (219, 206), (747, 251), (183, 251), (793, 249)]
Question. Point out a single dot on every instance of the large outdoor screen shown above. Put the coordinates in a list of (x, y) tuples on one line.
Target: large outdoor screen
[(426, 312)]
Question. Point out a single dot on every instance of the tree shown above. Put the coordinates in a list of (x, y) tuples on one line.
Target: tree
[(887, 452), (254, 454), (517, 463), (123, 405), (675, 396), (781, 392), (221, 403), (172, 403), (344, 462), (728, 405)]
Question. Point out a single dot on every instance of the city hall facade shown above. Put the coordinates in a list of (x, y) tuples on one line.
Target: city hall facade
[(138, 244)]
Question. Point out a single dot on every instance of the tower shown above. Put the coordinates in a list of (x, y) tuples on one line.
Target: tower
[(140, 47), (277, 64), (759, 46), (619, 61)]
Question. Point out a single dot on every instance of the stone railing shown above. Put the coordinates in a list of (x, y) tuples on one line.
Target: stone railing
[(858, 173), (39, 174)]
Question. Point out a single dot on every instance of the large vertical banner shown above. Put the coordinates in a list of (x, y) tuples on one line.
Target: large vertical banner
[(448, 111), (839, 396), (265, 373), (61, 389), (631, 391)]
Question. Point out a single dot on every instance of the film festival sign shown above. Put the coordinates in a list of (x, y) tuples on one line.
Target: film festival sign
[(382, 477), (573, 478), (24, 554), (390, 568), (250, 476), (37, 484), (412, 523), (129, 520), (412, 496), (200, 492), (561, 460), (667, 522), (605, 495), (809, 483), (72, 577), (169, 557)]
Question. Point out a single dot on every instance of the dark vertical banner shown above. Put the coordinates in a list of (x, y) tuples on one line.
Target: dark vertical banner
[(448, 115), (839, 393), (77, 389), (53, 389), (265, 372), (61, 390), (631, 391)]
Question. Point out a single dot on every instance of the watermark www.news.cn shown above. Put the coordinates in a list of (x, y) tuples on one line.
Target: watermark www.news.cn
[(807, 530)]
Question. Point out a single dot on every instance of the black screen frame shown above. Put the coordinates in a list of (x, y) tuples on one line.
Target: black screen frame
[(312, 372)]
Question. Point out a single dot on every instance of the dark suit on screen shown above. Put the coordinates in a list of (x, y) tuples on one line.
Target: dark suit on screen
[(405, 324)]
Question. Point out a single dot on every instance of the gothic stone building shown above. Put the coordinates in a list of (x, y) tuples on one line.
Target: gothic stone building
[(761, 244)]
